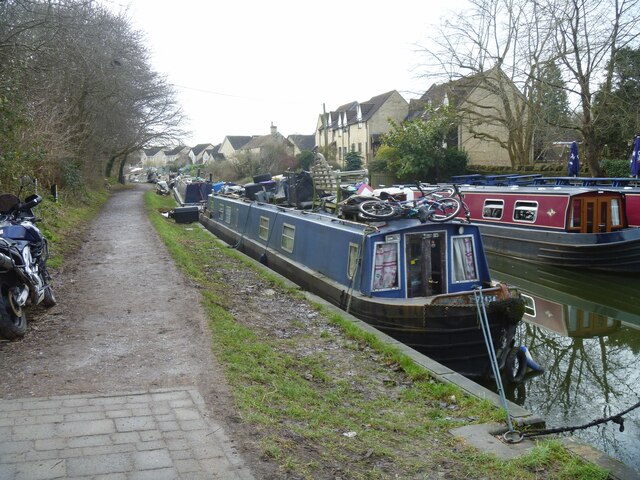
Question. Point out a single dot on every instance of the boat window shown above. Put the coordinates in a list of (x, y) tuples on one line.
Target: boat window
[(288, 237), (385, 266), (264, 228), (464, 259), (221, 211), (492, 209), (227, 214), (529, 305), (352, 264), (615, 213), (525, 211), (576, 213)]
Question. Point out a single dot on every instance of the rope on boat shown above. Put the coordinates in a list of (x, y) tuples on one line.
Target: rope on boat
[(486, 332), (617, 419)]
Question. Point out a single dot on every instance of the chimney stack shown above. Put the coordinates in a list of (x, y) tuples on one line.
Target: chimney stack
[(274, 129)]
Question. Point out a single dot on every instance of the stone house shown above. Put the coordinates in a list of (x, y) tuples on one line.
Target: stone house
[(302, 142), (232, 144), (258, 144), (202, 154), (478, 100), (178, 155), (357, 126), (153, 157)]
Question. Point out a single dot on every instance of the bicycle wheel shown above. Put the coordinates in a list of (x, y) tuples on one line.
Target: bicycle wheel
[(442, 191), (444, 209), (377, 209)]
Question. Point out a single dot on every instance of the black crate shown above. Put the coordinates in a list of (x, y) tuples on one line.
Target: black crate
[(186, 214)]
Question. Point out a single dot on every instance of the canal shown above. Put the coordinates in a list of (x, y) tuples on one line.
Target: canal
[(584, 329)]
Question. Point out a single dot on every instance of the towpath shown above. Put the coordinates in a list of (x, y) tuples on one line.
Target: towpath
[(118, 380)]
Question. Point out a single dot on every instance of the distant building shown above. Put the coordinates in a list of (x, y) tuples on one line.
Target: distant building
[(478, 99), (357, 126), (302, 143), (153, 157), (202, 154), (178, 155), (232, 144), (258, 144)]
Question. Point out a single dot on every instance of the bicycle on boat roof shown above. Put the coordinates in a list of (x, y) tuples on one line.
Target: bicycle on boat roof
[(436, 205)]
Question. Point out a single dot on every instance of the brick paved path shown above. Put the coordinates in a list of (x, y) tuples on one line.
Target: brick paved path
[(161, 434)]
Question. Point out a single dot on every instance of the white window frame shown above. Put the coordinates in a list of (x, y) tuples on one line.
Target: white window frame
[(263, 230), (495, 203), (352, 260), (375, 264), (456, 256), (284, 240), (530, 207)]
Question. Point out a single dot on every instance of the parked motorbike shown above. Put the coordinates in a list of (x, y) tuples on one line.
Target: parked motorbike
[(24, 279)]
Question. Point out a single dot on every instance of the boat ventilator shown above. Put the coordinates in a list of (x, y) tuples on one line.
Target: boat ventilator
[(511, 435)]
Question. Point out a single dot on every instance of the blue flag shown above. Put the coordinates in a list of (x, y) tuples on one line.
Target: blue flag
[(574, 160), (635, 168)]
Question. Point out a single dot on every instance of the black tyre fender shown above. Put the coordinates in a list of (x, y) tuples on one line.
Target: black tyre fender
[(515, 367), (12, 326)]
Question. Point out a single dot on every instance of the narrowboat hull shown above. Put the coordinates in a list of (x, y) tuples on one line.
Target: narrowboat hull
[(443, 327), (607, 252), (569, 227)]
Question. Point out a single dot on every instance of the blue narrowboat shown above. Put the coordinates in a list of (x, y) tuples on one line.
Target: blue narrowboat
[(420, 283)]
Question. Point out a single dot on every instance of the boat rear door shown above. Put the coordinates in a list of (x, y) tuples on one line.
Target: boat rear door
[(596, 214), (426, 265)]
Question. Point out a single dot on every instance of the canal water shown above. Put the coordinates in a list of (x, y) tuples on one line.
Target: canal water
[(584, 329)]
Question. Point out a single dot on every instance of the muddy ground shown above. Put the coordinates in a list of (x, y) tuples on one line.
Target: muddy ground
[(127, 319)]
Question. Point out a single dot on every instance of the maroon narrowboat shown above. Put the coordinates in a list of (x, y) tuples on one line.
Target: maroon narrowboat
[(573, 227)]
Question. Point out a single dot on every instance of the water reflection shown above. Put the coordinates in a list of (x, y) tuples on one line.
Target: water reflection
[(585, 331)]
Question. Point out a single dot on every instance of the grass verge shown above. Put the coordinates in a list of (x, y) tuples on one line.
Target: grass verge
[(356, 409)]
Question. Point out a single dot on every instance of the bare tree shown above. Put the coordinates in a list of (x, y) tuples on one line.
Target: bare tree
[(587, 34)]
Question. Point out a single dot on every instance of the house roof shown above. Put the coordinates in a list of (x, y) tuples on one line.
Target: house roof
[(150, 152), (238, 141), (456, 91), (367, 109), (175, 150), (303, 142), (201, 147), (265, 140)]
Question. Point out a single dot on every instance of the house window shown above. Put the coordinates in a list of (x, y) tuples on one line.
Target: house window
[(264, 228), (464, 268), (352, 261), (227, 214), (353, 147), (525, 211), (360, 147), (385, 267), (493, 209), (288, 237)]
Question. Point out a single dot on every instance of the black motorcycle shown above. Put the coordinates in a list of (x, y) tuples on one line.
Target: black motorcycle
[(24, 279)]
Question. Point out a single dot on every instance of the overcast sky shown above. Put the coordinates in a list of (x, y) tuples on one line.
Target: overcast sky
[(238, 65)]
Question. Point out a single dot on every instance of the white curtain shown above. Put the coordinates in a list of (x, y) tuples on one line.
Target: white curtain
[(464, 264)]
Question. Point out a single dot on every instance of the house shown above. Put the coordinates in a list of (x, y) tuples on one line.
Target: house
[(232, 144), (302, 143), (178, 155), (357, 126), (258, 145), (202, 154), (479, 101), (154, 157)]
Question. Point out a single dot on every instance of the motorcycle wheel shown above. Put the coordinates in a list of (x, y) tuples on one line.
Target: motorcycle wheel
[(12, 326), (49, 299)]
